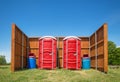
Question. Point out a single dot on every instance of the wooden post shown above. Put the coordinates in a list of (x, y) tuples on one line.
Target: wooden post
[(22, 51), (89, 47), (13, 48), (105, 27), (28, 48), (96, 52)]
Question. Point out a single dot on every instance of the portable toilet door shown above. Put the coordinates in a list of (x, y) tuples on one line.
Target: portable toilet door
[(71, 53), (47, 52)]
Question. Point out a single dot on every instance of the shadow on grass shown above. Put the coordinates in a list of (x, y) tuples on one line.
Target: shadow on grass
[(24, 69), (5, 67)]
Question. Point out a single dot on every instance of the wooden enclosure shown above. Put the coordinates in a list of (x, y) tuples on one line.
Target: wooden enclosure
[(95, 46)]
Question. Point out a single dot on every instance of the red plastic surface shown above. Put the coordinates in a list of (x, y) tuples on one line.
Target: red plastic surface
[(47, 53), (32, 55), (72, 54)]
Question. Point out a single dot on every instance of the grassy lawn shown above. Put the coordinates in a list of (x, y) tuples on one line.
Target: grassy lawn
[(59, 75)]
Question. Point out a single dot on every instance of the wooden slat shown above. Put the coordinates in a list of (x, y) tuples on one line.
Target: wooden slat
[(100, 61), (92, 39), (84, 51), (92, 51), (60, 63), (60, 43), (93, 62), (34, 42), (60, 52), (100, 48), (85, 43)]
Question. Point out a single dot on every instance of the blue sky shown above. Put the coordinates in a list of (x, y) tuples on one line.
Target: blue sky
[(58, 18)]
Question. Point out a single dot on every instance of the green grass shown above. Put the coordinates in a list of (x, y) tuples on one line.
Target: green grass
[(58, 75)]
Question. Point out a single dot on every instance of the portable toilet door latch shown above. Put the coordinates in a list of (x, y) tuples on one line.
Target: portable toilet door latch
[(51, 53), (75, 54)]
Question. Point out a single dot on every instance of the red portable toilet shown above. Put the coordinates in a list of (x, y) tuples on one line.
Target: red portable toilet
[(47, 52), (71, 52)]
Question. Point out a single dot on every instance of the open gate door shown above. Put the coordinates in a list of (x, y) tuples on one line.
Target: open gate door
[(99, 49), (19, 43)]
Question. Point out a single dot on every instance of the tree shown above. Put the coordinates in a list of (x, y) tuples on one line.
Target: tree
[(114, 54), (116, 60), (2, 60), (111, 50)]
